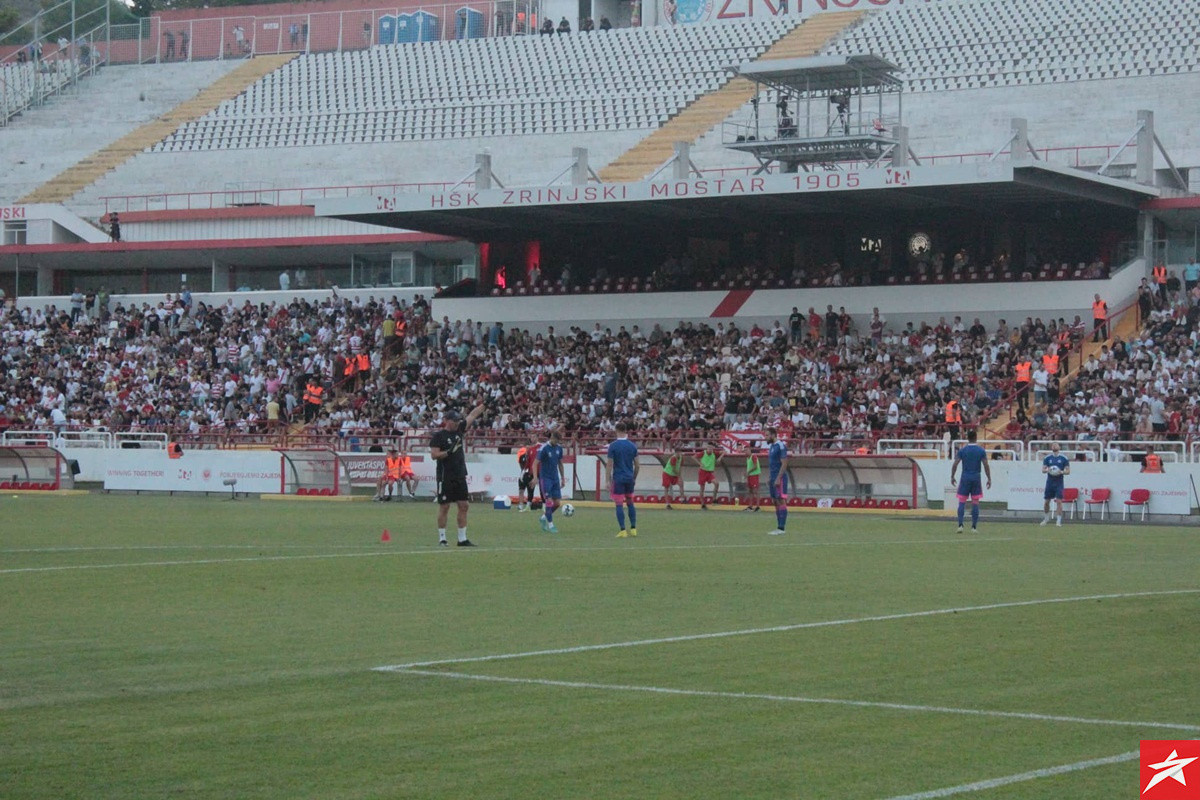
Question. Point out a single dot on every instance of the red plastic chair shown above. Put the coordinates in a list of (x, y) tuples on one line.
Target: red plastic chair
[(1099, 497), (839, 502), (693, 501), (870, 502), (6, 485), (653, 498), (886, 504), (902, 505), (795, 502), (855, 502), (24, 485), (639, 498), (1071, 496), (1138, 497), (810, 502), (724, 501)]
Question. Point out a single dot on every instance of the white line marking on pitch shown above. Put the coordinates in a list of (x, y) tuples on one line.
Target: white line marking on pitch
[(783, 698), (780, 628), (980, 786), (485, 550)]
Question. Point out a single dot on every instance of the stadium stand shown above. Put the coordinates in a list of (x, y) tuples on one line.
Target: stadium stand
[(199, 370), (711, 109), (634, 79), (47, 141), (971, 45), (69, 182), (23, 84)]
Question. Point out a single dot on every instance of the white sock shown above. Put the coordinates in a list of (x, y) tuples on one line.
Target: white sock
[(462, 534), (441, 534), (1060, 519)]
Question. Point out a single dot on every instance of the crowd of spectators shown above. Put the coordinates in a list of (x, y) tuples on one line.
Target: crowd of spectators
[(1138, 388), (186, 367)]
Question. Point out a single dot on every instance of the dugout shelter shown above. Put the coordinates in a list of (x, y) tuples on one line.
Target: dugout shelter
[(30, 468), (313, 472)]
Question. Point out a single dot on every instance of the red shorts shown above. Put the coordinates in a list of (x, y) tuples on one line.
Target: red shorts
[(706, 477), (669, 480), (391, 477), (407, 476), (752, 481)]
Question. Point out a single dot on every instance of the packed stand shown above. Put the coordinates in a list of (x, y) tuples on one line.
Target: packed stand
[(380, 365), (1139, 389)]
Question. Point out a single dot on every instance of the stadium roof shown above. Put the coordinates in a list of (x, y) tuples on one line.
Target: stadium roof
[(821, 74), (739, 201)]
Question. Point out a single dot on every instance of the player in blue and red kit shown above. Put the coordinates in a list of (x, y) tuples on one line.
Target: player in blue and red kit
[(548, 467), (622, 466), (974, 460), (777, 459)]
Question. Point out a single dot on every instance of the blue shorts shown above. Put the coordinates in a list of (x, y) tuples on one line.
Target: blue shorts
[(778, 491), (1054, 490), (551, 490), (622, 489), (970, 488)]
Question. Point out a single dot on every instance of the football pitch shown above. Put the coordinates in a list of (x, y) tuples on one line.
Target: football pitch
[(157, 647)]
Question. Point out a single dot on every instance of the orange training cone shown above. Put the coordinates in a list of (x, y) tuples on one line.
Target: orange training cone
[(387, 536)]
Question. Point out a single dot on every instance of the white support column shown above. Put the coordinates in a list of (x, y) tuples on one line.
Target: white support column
[(681, 166), (483, 171), (900, 151)]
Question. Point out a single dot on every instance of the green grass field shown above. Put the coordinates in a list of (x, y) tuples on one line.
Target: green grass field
[(191, 647)]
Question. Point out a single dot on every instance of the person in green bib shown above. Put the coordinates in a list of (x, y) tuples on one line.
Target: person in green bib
[(753, 471), (673, 476), (708, 465)]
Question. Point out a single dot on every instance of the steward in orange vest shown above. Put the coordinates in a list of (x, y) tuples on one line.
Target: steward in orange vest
[(1099, 320), (1023, 373), (313, 394), (1159, 273)]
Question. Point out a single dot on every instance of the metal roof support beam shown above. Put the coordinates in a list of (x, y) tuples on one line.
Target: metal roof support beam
[(1018, 145), (581, 173), (681, 164), (482, 175)]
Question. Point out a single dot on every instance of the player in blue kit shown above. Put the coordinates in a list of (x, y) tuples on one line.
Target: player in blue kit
[(974, 460), (622, 467), (548, 469), (1054, 467), (777, 459)]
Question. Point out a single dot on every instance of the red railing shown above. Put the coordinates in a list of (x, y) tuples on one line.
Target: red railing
[(241, 197)]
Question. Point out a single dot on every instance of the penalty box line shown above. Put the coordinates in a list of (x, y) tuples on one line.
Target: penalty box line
[(778, 629), (1021, 777), (782, 698)]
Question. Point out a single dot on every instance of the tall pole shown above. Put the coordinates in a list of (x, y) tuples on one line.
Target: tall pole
[(73, 51)]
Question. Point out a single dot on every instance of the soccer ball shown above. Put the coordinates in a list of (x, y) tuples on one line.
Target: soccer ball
[(568, 510), (1054, 472)]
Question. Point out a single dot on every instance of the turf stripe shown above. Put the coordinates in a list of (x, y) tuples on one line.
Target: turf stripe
[(993, 783), (484, 550), (783, 698), (693, 637)]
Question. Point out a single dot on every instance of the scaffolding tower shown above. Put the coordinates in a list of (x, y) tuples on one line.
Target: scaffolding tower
[(822, 112)]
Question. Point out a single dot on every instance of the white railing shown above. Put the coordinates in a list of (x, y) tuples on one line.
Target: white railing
[(1130, 450), (904, 447), (1091, 450), (1014, 448), (144, 440)]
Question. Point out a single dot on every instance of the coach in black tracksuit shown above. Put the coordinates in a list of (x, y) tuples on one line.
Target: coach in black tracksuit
[(446, 448)]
